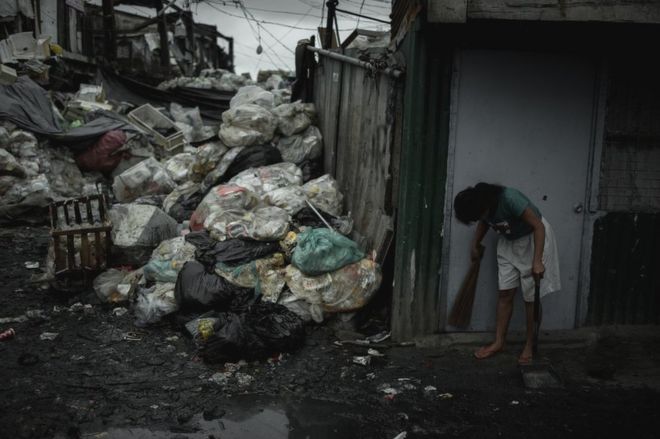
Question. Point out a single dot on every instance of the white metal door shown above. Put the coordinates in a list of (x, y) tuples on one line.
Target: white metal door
[(522, 120)]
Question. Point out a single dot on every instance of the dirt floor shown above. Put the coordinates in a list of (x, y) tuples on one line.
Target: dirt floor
[(101, 377)]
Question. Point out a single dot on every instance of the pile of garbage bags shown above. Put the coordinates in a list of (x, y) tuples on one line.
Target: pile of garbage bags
[(233, 228)]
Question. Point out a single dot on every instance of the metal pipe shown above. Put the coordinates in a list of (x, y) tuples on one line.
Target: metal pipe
[(396, 73)]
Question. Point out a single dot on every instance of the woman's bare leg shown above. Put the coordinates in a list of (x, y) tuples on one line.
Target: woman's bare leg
[(503, 317)]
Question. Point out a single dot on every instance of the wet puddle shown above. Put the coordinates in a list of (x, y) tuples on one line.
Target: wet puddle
[(254, 418)]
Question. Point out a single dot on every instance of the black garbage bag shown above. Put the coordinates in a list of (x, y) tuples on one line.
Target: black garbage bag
[(198, 290), (249, 157), (184, 207), (252, 157), (311, 169), (232, 252), (264, 330)]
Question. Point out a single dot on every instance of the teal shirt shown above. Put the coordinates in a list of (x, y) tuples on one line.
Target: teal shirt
[(506, 220)]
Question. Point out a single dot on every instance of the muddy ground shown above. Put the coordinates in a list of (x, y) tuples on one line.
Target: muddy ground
[(101, 377)]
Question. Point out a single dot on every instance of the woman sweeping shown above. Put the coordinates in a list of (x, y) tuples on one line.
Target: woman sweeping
[(526, 253)]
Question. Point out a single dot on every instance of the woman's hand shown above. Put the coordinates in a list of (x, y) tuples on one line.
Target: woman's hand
[(475, 253), (537, 270)]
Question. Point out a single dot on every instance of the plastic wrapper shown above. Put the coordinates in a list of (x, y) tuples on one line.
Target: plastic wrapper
[(9, 165), (265, 275), (25, 199), (178, 166), (299, 148), (217, 175), (232, 252), (345, 290), (182, 201), (265, 330), (320, 251), (203, 326), (168, 259), (323, 193), (223, 198), (247, 125), (198, 290), (268, 178), (208, 156), (291, 198), (292, 118), (137, 229), (252, 94), (154, 303), (146, 178)]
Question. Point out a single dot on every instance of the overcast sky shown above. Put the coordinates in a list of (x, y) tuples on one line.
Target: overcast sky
[(285, 22)]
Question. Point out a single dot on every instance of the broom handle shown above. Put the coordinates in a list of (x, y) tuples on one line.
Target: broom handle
[(537, 315)]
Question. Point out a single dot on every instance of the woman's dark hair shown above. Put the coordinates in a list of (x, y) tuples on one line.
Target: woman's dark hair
[(471, 203)]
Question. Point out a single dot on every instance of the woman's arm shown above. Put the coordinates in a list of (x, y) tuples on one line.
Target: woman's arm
[(539, 239), (482, 228)]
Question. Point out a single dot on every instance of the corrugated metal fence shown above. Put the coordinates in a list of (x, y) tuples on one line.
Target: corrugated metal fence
[(358, 119)]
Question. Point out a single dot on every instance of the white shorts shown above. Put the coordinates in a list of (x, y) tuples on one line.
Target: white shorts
[(514, 264)]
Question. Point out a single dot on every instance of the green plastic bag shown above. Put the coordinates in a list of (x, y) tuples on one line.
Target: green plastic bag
[(321, 251)]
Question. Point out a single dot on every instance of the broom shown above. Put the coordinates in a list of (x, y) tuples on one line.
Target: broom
[(461, 312)]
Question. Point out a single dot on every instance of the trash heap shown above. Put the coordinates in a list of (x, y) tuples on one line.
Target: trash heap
[(234, 231)]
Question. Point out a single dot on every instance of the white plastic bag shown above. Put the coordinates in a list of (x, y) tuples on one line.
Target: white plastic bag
[(106, 286), (179, 165), (154, 303), (261, 224), (146, 178), (297, 148), (323, 193), (220, 199), (294, 117), (292, 199), (252, 94), (206, 159), (268, 178), (9, 165), (221, 168), (247, 125)]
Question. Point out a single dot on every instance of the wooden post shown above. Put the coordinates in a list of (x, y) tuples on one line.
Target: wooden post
[(164, 43), (327, 43), (109, 37)]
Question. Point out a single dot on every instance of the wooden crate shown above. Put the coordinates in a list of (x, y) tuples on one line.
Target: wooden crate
[(81, 240)]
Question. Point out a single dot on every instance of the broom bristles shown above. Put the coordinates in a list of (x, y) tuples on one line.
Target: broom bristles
[(461, 312)]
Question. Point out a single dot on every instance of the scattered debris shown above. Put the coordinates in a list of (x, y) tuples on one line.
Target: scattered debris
[(363, 361), (31, 265), (7, 334), (445, 396), (49, 335)]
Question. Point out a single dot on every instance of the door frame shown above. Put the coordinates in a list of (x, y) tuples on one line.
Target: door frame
[(590, 202)]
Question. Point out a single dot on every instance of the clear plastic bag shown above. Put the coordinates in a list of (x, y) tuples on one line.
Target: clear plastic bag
[(247, 125), (268, 178), (106, 286), (298, 148), (345, 290), (223, 198), (292, 118), (207, 157), (154, 303), (291, 198), (265, 275), (323, 193), (9, 165), (148, 177), (252, 94), (168, 259), (178, 166)]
